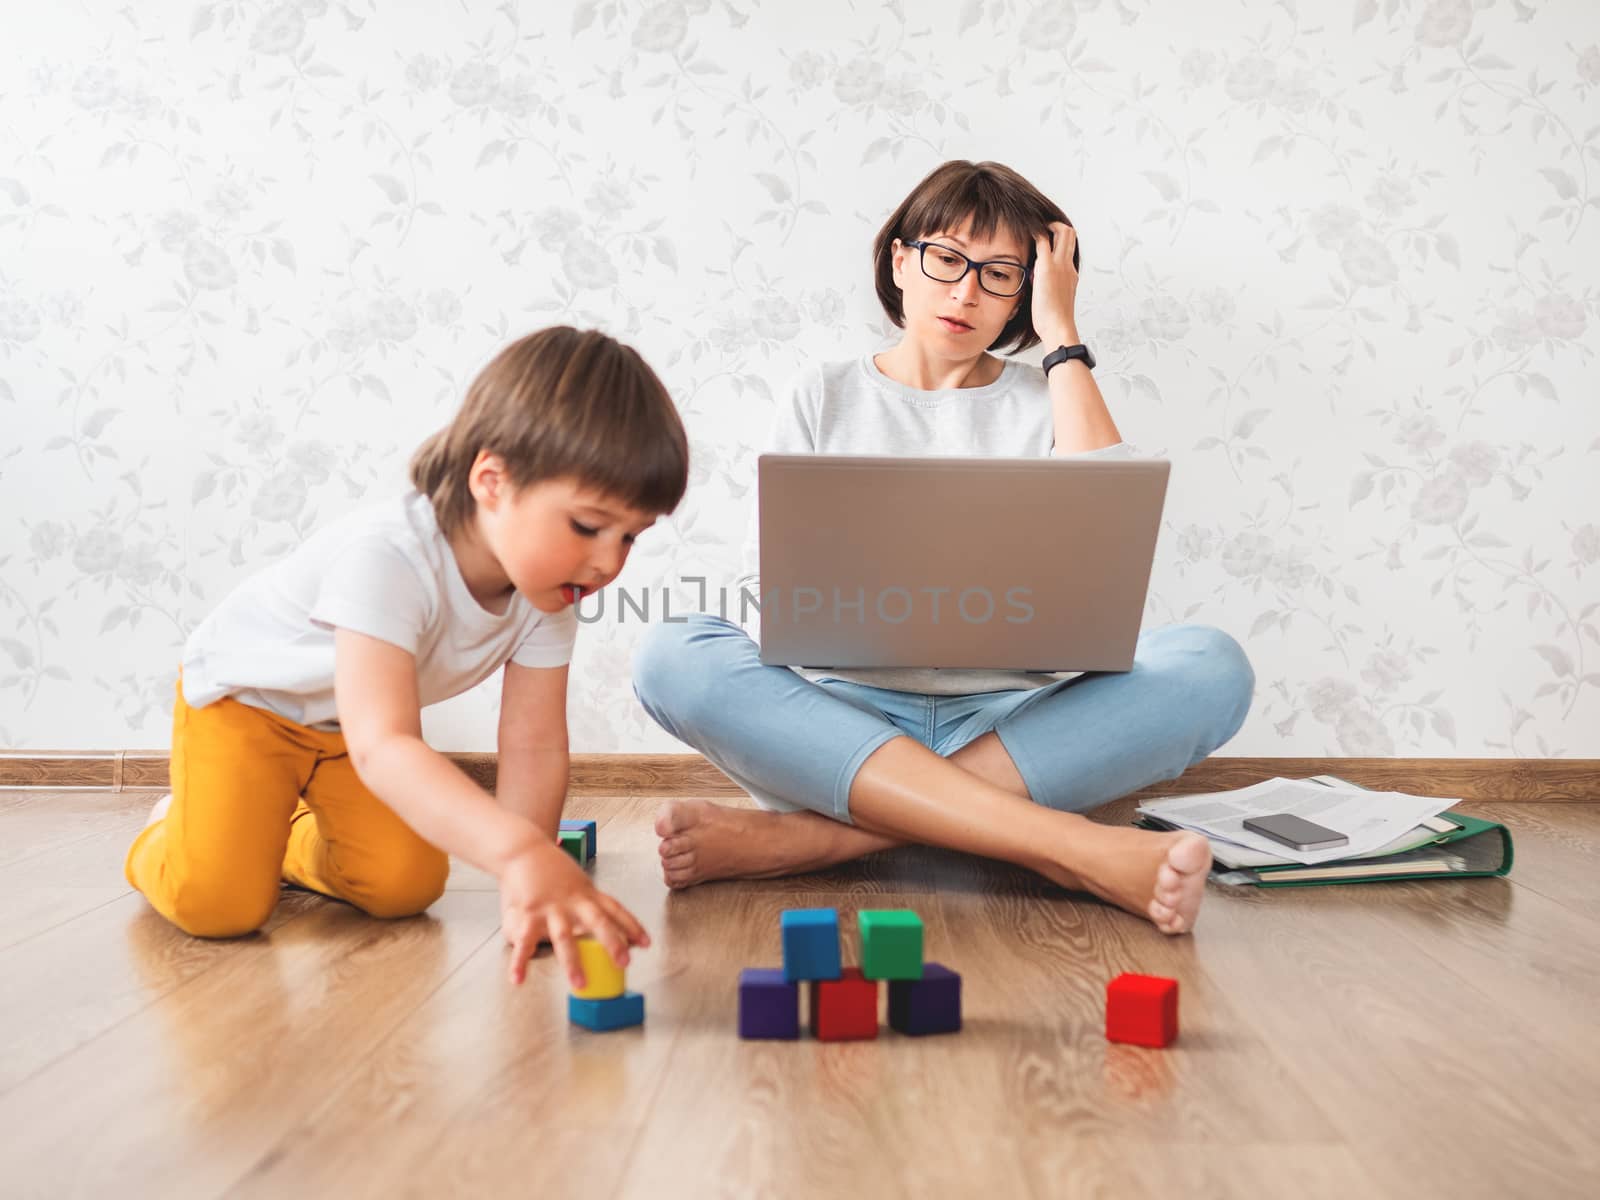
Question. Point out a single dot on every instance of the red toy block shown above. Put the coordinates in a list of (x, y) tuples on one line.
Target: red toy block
[(845, 1009), (1142, 1009)]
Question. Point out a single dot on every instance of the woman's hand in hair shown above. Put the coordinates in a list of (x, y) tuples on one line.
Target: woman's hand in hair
[(1055, 287)]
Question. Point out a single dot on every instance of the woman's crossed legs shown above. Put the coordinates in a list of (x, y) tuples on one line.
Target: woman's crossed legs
[(844, 770)]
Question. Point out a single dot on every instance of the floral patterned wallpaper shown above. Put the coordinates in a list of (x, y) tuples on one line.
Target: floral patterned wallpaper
[(1339, 266)]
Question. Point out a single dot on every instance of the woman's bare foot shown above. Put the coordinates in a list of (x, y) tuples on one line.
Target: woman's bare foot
[(1158, 876), (702, 841)]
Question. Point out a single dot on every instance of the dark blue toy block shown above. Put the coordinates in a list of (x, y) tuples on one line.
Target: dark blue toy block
[(769, 1005), (931, 1004), (810, 943), (618, 1012), (590, 833)]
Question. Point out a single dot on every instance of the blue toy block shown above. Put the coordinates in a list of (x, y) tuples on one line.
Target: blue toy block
[(769, 1006), (810, 943), (931, 1004), (590, 835), (618, 1012)]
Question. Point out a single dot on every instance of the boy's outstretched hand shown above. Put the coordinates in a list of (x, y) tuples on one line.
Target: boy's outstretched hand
[(545, 895)]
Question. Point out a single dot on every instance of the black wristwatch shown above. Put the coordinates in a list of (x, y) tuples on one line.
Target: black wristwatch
[(1061, 353)]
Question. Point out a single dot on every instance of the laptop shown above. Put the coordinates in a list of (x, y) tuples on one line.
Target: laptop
[(1034, 564)]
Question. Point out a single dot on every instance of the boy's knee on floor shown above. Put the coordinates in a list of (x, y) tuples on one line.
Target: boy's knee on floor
[(222, 908), (400, 884)]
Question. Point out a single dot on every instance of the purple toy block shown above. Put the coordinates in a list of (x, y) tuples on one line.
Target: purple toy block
[(769, 1006), (931, 1004)]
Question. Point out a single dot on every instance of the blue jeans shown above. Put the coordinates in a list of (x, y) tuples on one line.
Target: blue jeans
[(797, 744)]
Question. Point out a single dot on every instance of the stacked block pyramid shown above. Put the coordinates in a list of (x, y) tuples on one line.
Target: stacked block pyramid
[(604, 1001), (924, 997)]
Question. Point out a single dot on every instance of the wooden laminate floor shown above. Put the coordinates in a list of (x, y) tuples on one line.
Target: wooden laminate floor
[(1412, 1039)]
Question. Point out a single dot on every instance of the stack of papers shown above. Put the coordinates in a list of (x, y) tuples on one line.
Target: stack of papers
[(1375, 822)]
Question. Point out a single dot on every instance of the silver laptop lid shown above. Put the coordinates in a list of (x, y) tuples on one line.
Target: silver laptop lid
[(1037, 564)]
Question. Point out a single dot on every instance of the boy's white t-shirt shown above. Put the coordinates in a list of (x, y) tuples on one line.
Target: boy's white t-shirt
[(387, 572)]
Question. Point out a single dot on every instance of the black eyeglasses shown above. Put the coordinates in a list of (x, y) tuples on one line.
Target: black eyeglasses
[(998, 276)]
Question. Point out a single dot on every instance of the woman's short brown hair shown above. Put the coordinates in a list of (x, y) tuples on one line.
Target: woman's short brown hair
[(559, 403), (990, 195)]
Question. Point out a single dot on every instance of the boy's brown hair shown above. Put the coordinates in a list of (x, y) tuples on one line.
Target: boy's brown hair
[(561, 402), (992, 196)]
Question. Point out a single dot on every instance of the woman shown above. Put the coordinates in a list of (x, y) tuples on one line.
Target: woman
[(999, 763)]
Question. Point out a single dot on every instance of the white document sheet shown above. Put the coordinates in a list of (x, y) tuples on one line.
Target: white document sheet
[(1369, 819)]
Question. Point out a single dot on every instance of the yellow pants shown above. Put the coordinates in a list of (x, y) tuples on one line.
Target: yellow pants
[(257, 799)]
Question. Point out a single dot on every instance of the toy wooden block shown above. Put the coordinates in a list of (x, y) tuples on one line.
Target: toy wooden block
[(769, 1005), (845, 1009), (1142, 1009), (591, 837), (931, 1004), (614, 1012), (891, 943), (575, 844), (810, 943), (603, 979)]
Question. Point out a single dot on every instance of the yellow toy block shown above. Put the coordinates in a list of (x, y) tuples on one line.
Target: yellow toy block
[(605, 979)]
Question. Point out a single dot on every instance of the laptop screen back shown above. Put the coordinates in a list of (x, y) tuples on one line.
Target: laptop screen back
[(1038, 564)]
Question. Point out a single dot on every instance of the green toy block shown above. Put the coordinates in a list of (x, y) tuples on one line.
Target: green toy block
[(590, 831), (891, 943), (575, 844)]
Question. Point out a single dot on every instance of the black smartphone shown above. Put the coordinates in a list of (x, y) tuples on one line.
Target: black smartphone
[(1296, 832)]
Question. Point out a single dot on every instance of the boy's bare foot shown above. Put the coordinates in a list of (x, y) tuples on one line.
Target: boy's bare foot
[(702, 841), (158, 810), (1158, 876)]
